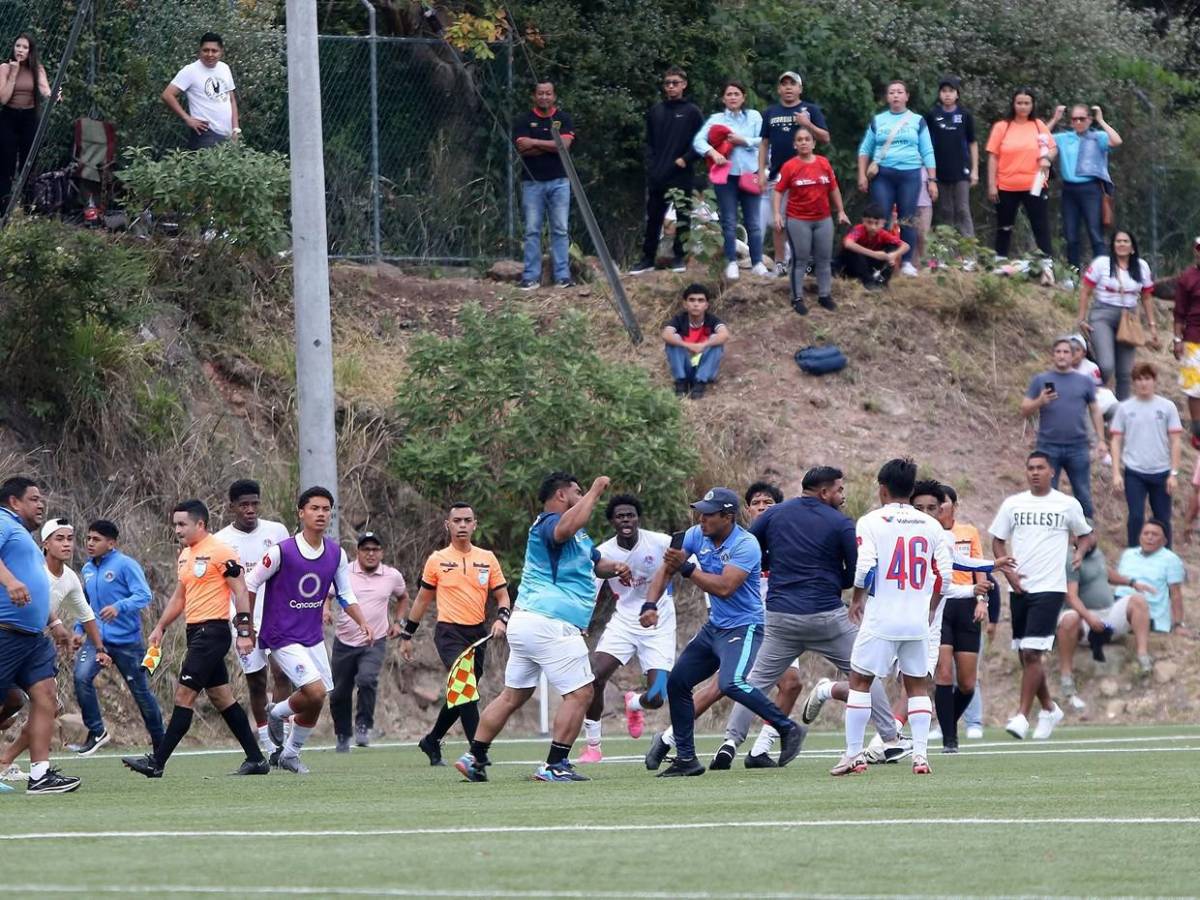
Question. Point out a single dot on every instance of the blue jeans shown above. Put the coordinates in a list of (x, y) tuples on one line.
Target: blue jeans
[(1139, 486), (1076, 459), (680, 361), (537, 199), (128, 660), (729, 195), (901, 188), (1082, 205)]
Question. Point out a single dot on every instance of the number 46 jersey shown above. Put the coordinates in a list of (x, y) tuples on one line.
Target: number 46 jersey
[(903, 555)]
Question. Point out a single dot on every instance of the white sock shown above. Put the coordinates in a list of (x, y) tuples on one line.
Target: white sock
[(858, 714), (38, 770), (591, 728), (765, 741), (296, 739), (825, 691), (635, 703), (899, 725), (668, 736), (920, 713), (283, 709), (264, 736)]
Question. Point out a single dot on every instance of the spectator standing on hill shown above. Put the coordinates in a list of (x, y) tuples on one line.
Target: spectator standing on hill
[(23, 87), (670, 126), (1145, 452), (870, 252), (780, 121), (1063, 400), (695, 343), (212, 111), (1083, 158), (924, 220), (895, 146), (1119, 282), (1020, 151), (1163, 575), (956, 152), (545, 190), (1186, 344)]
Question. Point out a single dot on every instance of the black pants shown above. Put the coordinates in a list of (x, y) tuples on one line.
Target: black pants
[(657, 202), (871, 272), (1038, 211), (355, 667), (1140, 486), (17, 128)]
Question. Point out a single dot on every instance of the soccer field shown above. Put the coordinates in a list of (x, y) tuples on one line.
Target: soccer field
[(1095, 811)]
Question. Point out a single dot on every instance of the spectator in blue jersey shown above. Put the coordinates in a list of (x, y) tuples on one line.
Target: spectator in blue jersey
[(1083, 163), (777, 147), (545, 190), (695, 343), (956, 152), (742, 187), (894, 148), (1160, 574)]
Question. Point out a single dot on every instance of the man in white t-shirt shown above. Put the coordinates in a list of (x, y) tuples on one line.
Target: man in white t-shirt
[(212, 112), (251, 537), (1040, 523)]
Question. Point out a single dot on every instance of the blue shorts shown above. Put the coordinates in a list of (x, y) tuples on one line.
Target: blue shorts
[(25, 659)]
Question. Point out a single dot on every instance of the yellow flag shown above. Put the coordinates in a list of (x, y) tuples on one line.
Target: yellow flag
[(461, 686)]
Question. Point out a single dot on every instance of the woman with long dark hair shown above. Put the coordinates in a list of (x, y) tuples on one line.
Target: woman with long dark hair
[(23, 87)]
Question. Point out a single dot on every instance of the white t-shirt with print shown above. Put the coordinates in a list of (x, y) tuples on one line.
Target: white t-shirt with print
[(1039, 531), (207, 91)]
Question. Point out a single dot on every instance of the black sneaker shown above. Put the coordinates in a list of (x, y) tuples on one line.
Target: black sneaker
[(432, 749), (253, 767), (53, 782), (790, 742), (799, 306), (657, 753), (681, 387), (682, 767), (362, 736), (565, 283), (724, 757), (273, 759), (1097, 640), (698, 390), (529, 285), (827, 303), (679, 264), (93, 743), (642, 265), (343, 743), (949, 748), (143, 765), (760, 761)]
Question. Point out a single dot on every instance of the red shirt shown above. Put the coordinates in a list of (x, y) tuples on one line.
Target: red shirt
[(883, 239), (808, 186), (1187, 305)]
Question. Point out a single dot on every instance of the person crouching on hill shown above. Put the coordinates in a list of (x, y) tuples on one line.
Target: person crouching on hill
[(695, 342), (870, 252)]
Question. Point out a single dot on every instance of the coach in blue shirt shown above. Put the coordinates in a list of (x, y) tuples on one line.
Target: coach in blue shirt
[(728, 566), (812, 550)]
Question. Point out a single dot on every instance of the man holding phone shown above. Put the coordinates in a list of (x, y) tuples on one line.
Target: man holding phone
[(1062, 399)]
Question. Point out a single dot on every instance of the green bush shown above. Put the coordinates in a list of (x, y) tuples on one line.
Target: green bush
[(232, 192), (488, 413)]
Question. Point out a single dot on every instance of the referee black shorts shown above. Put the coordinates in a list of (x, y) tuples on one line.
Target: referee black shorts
[(1034, 619), (451, 639), (959, 628), (204, 664)]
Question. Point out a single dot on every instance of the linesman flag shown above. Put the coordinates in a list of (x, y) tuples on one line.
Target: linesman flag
[(460, 686)]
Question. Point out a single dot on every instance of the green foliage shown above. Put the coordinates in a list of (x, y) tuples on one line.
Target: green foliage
[(231, 193), (488, 413)]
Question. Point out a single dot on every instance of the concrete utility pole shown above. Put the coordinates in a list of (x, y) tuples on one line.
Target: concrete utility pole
[(314, 333)]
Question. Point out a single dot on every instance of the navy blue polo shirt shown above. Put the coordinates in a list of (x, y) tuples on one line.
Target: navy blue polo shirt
[(811, 552)]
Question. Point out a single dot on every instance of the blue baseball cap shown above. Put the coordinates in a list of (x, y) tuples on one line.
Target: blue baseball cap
[(717, 500)]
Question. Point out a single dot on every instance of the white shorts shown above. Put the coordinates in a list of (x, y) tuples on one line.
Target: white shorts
[(655, 647), (875, 656), (537, 644), (1116, 615), (304, 665)]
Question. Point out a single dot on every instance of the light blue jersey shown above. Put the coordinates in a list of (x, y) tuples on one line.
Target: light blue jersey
[(558, 581), (740, 549)]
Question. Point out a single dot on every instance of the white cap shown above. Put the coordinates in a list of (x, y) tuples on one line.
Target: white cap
[(53, 525)]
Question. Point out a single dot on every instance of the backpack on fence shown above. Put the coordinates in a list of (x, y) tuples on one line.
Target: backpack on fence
[(821, 360)]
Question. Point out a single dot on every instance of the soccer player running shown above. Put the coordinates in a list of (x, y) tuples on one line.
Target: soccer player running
[(642, 550), (208, 572), (1040, 522), (902, 555), (545, 634), (728, 569), (459, 578), (294, 578)]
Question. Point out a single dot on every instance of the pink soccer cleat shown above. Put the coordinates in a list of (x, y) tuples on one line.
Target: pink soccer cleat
[(591, 754), (635, 719)]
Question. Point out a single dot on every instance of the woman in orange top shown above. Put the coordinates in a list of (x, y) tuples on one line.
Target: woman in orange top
[(1020, 150)]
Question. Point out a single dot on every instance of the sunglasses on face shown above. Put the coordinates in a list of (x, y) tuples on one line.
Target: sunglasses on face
[(1079, 118), (672, 81)]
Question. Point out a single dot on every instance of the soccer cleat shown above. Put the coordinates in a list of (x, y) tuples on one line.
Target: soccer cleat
[(642, 265), (657, 753), (12, 773), (1017, 726), (1047, 719), (6, 788), (921, 765), (813, 704), (681, 768), (292, 763), (850, 765), (253, 767), (723, 758), (949, 748), (790, 741), (275, 728), (591, 754), (144, 765), (560, 771), (343, 744), (896, 750), (760, 761), (93, 743), (362, 736), (635, 719), (54, 782), (470, 770), (732, 273), (975, 732), (431, 748)]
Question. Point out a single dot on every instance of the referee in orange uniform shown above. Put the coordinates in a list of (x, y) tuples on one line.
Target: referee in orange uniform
[(458, 578)]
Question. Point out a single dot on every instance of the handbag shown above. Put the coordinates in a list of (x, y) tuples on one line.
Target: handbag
[(1107, 210), (748, 182), (1129, 331), (873, 167)]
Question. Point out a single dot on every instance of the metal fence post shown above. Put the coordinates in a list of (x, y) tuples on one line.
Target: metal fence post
[(373, 45)]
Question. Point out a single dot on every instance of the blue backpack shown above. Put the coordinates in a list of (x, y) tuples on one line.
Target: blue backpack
[(821, 360)]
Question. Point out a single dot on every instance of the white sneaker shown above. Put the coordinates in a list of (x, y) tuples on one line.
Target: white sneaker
[(1047, 719), (1077, 703), (909, 269), (732, 273), (975, 732), (780, 270), (12, 773), (1017, 726), (762, 271)]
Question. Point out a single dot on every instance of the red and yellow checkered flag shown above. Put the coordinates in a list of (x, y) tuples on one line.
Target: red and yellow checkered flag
[(460, 686)]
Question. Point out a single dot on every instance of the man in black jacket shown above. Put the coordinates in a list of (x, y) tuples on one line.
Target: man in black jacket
[(670, 126)]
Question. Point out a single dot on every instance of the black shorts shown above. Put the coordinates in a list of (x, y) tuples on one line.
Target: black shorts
[(204, 664), (959, 628), (1034, 619), (452, 639)]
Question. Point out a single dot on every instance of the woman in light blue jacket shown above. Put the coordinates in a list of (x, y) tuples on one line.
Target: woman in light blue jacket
[(745, 135), (893, 150)]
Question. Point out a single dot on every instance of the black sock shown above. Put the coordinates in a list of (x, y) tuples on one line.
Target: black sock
[(558, 752), (235, 718), (470, 719), (181, 721), (943, 700), (446, 717), (479, 750), (961, 701)]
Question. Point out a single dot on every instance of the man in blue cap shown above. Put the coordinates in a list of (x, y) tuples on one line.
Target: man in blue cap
[(727, 567)]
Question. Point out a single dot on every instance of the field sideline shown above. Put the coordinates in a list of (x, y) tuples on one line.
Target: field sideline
[(1094, 812)]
